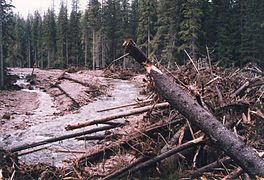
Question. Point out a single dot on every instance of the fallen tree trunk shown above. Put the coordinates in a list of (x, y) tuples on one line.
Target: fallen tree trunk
[(74, 102), (126, 105), (69, 136), (169, 153), (115, 116), (234, 147)]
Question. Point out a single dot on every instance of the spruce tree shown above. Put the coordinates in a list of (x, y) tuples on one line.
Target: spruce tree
[(190, 27), (94, 24), (147, 12), (75, 46), (62, 36), (49, 28), (85, 36)]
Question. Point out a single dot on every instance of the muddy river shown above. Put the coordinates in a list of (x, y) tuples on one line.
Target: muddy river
[(43, 124)]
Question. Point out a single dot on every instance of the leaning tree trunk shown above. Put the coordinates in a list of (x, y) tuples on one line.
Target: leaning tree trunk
[(246, 157)]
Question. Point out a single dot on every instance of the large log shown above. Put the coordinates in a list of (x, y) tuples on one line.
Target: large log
[(55, 139), (233, 146), (115, 116)]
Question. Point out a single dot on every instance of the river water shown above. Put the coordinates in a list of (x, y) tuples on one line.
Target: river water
[(43, 124)]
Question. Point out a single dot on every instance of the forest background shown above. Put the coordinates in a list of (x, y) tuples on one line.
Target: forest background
[(231, 30)]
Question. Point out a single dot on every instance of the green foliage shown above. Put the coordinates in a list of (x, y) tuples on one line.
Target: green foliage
[(62, 37), (75, 47), (147, 13), (232, 29)]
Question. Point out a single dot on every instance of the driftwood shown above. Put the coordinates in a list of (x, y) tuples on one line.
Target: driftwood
[(256, 71), (234, 147), (209, 167), (126, 105), (126, 168), (32, 151), (75, 80), (169, 153), (70, 151), (69, 136), (234, 174), (75, 103), (107, 151), (86, 138), (115, 116), (239, 90)]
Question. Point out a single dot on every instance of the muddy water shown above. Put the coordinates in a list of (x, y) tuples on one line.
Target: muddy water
[(43, 124)]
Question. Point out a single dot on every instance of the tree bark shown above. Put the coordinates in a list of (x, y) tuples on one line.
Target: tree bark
[(1, 50), (93, 49), (234, 147)]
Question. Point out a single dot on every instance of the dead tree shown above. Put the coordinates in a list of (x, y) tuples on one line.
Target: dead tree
[(233, 146)]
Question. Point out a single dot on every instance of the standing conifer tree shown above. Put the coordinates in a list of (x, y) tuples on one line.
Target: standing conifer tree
[(1, 48), (62, 36), (75, 34), (147, 12), (190, 26), (94, 19), (49, 27)]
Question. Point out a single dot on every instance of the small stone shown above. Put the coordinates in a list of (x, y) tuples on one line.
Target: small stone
[(29, 113), (6, 116)]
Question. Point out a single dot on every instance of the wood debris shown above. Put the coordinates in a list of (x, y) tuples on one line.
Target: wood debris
[(162, 143)]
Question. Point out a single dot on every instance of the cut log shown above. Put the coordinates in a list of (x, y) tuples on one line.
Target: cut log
[(126, 105), (234, 147), (115, 116), (69, 136)]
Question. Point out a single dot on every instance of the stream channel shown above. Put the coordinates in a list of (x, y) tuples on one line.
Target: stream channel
[(43, 124)]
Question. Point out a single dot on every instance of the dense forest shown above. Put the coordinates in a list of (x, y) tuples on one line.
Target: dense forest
[(231, 30)]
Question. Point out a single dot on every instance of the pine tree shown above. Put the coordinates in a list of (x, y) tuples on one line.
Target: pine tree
[(29, 40), (75, 34), (147, 12), (190, 27), (134, 19), (252, 33), (18, 58), (1, 48), (62, 36), (49, 26), (94, 24), (85, 36), (35, 36)]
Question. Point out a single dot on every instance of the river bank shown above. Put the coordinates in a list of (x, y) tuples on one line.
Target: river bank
[(41, 110)]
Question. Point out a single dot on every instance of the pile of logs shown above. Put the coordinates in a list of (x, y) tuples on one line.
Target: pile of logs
[(212, 128), (202, 122)]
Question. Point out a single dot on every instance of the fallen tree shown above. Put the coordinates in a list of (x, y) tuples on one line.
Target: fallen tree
[(56, 139), (233, 146), (115, 116)]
